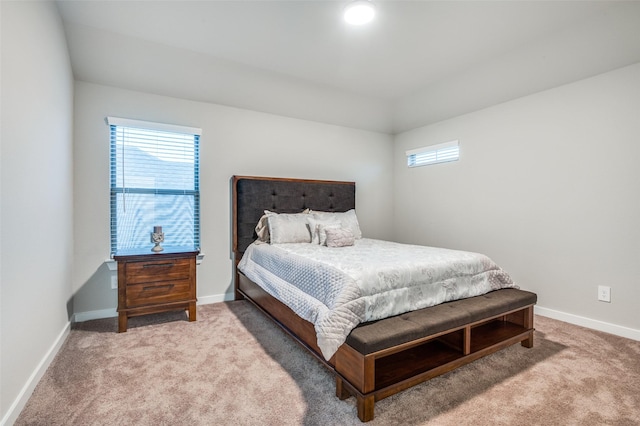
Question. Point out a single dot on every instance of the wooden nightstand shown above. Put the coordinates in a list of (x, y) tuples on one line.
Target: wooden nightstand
[(158, 282)]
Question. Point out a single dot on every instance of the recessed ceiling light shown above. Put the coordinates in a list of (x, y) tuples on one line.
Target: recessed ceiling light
[(359, 12)]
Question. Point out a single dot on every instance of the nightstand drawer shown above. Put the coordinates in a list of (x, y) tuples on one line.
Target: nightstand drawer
[(158, 292), (158, 270)]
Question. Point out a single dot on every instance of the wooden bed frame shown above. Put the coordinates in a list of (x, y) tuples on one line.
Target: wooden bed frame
[(373, 376)]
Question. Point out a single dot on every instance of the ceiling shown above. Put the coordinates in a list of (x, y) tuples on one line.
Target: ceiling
[(417, 63)]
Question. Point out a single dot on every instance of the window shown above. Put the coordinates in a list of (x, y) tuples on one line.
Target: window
[(154, 182), (434, 154)]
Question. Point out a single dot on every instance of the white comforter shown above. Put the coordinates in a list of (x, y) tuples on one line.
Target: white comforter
[(338, 288)]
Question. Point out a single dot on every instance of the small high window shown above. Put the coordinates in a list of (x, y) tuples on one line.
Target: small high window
[(434, 154)]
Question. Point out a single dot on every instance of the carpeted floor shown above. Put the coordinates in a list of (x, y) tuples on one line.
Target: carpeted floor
[(233, 366)]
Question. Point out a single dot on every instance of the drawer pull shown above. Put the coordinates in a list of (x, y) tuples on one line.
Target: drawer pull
[(154, 287), (158, 265)]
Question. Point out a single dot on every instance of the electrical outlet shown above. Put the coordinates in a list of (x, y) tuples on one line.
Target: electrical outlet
[(604, 293), (114, 281)]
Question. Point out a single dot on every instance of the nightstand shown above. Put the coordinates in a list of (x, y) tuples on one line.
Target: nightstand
[(158, 282)]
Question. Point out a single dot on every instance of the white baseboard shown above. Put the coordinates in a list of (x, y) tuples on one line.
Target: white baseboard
[(91, 315), (618, 330), (111, 313), (216, 298), (14, 410)]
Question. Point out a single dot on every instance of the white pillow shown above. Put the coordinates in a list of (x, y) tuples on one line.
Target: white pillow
[(348, 219), (288, 228), (262, 228)]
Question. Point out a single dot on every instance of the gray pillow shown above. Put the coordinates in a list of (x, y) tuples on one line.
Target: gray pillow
[(262, 228)]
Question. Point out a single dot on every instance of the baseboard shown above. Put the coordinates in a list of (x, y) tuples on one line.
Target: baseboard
[(216, 298), (618, 330), (23, 397), (92, 315), (111, 313)]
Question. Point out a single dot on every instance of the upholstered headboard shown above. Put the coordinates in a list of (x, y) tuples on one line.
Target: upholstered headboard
[(252, 195)]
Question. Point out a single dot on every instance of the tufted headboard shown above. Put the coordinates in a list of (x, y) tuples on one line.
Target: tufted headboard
[(252, 195)]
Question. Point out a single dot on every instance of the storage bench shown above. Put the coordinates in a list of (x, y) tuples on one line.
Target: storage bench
[(384, 357)]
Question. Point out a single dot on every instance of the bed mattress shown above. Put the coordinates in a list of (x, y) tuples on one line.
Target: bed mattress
[(337, 288)]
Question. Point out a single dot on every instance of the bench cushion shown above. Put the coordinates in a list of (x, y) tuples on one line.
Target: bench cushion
[(378, 335)]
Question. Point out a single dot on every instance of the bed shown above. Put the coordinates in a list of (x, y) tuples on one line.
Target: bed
[(382, 355)]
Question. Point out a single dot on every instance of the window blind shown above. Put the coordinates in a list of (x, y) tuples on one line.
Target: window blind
[(154, 181), (434, 154)]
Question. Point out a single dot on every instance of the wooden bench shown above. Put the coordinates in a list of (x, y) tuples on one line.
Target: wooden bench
[(385, 357)]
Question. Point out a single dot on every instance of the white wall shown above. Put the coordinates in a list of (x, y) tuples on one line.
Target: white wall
[(234, 141), (547, 185), (37, 206)]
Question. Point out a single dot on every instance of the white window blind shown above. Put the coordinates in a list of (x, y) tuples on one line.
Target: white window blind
[(154, 174), (434, 154)]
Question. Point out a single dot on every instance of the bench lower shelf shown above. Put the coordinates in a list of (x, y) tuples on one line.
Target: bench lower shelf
[(376, 376)]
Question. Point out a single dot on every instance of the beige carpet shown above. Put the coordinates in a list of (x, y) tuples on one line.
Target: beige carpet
[(234, 367)]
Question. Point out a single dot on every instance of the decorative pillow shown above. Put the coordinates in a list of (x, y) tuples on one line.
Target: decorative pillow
[(348, 219), (340, 237), (315, 224), (288, 228), (322, 231)]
